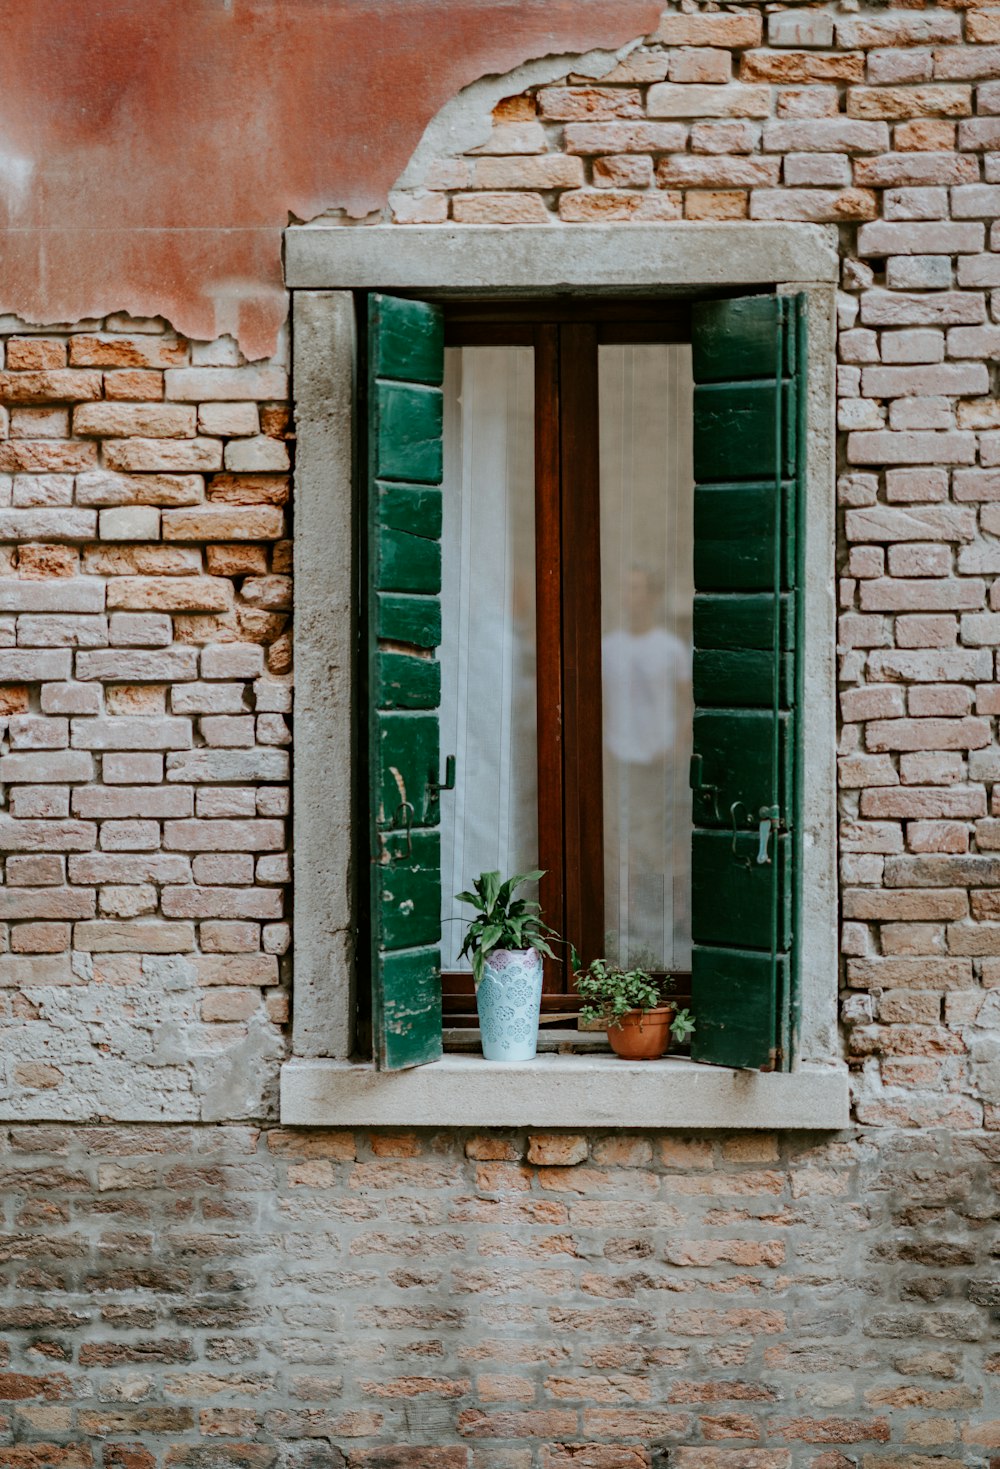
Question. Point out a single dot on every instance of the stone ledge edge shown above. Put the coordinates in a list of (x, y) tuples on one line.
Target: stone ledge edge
[(494, 259), (563, 1091)]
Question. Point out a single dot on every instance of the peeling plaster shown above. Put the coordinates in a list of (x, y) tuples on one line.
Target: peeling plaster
[(466, 120), (149, 1052), (154, 149)]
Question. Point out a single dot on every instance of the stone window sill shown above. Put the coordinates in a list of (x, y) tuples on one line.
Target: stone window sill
[(560, 1090)]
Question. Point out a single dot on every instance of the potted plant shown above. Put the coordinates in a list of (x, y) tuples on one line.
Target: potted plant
[(506, 941), (640, 1020)]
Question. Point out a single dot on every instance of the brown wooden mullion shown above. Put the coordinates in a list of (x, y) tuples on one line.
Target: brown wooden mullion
[(549, 633), (583, 745)]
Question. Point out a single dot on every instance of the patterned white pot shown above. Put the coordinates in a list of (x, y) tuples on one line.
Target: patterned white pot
[(509, 1000)]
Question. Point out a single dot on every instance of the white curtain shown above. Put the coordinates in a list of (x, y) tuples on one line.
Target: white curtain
[(488, 699), (488, 718), (647, 593)]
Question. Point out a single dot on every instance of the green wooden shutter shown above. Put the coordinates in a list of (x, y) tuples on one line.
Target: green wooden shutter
[(405, 371), (749, 373)]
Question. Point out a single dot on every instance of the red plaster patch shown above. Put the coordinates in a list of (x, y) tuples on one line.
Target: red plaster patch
[(151, 151)]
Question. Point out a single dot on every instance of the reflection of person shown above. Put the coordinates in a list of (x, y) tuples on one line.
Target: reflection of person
[(647, 675)]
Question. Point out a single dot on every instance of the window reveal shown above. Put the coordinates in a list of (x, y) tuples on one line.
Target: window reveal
[(610, 819), (748, 450)]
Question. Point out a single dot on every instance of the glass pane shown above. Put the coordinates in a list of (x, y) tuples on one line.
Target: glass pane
[(647, 596), (488, 718)]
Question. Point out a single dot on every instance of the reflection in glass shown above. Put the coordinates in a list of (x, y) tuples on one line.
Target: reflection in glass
[(647, 597), (488, 718)]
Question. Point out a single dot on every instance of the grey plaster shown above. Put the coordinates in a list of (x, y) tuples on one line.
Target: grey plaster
[(562, 1091), (492, 260), (325, 613)]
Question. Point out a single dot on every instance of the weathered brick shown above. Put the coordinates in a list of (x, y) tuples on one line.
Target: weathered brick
[(902, 103), (927, 734), (670, 99), (625, 137), (817, 205), (48, 525), (716, 172), (549, 171), (138, 937), (913, 802), (46, 766), (915, 170), (911, 447), (905, 28), (928, 667), (731, 30), (928, 523), (583, 206), (700, 64), (113, 350), (818, 169), (45, 456), (56, 385), (215, 523), (556, 1149), (826, 135), (142, 420), (888, 594), (623, 171), (131, 733), (937, 238), (129, 523), (100, 803), (223, 836), (103, 488), (170, 594), (228, 765), (225, 384), (809, 67), (185, 900), (150, 454)]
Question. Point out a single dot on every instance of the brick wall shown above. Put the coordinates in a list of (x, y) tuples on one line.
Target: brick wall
[(212, 1297), (194, 1294), (144, 661)]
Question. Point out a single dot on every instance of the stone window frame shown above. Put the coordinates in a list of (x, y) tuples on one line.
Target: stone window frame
[(325, 265)]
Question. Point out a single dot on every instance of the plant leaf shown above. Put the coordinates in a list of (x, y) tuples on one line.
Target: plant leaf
[(491, 936)]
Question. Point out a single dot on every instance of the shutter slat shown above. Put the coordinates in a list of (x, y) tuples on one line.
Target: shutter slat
[(734, 531), (746, 450), (405, 371)]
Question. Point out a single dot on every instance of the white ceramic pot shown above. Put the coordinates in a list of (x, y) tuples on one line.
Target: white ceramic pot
[(509, 1001)]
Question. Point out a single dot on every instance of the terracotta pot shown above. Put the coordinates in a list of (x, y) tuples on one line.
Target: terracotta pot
[(642, 1035)]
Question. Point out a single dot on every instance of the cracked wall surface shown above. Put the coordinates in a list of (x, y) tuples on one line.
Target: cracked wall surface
[(152, 151), (195, 1287)]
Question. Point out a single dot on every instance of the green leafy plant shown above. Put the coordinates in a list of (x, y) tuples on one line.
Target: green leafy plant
[(682, 1027), (502, 921), (609, 992)]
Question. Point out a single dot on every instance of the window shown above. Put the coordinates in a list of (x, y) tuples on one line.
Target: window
[(566, 626), (747, 692), (562, 446)]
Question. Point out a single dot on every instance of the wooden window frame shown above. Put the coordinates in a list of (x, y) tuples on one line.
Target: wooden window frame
[(565, 337)]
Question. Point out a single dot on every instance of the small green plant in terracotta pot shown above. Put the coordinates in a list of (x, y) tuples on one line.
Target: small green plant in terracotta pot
[(634, 1006)]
